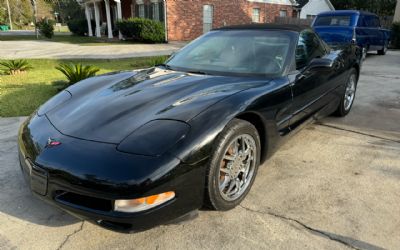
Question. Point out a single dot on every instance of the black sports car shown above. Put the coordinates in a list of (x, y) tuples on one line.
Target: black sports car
[(131, 150)]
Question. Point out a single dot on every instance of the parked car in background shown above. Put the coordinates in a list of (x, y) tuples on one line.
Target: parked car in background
[(351, 26)]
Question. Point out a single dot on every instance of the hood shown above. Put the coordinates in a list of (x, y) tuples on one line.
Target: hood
[(108, 108), (335, 34)]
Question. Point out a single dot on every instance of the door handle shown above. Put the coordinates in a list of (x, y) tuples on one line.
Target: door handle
[(303, 75)]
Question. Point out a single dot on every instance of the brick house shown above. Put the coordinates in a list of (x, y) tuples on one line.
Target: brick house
[(184, 19)]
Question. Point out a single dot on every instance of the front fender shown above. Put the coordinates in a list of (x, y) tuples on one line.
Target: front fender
[(269, 102)]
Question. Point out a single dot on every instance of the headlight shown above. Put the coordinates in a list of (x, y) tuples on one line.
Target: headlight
[(56, 100), (154, 138), (141, 204)]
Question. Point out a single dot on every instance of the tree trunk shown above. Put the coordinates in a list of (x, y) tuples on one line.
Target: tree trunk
[(9, 14)]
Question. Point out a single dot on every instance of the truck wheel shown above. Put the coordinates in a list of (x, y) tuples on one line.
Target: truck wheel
[(364, 53), (383, 51)]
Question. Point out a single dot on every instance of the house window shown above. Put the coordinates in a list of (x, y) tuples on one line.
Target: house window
[(156, 11), (141, 10), (283, 13), (132, 10), (256, 15), (208, 12), (311, 16)]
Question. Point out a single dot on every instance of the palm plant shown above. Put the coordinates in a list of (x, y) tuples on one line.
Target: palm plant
[(158, 60), (77, 72), (14, 67)]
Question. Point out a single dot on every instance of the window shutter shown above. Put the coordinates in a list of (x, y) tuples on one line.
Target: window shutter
[(136, 10), (161, 9), (146, 11), (150, 11)]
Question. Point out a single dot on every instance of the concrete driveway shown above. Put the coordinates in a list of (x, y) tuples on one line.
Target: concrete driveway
[(335, 185), (58, 50)]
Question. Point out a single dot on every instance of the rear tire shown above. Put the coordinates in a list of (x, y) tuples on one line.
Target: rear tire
[(233, 165), (383, 51), (347, 100)]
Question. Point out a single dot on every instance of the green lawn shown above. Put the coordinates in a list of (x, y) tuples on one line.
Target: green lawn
[(22, 94), (82, 40)]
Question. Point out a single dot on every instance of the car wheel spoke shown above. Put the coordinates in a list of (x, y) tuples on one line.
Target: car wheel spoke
[(231, 187), (350, 92), (229, 157), (237, 167)]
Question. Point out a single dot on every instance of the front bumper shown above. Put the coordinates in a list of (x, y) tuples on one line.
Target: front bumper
[(84, 178)]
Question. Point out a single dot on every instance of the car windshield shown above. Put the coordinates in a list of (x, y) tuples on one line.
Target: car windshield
[(236, 52), (333, 21)]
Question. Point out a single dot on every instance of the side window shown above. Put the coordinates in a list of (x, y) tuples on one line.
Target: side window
[(377, 22), (361, 21), (371, 21), (367, 21), (308, 47)]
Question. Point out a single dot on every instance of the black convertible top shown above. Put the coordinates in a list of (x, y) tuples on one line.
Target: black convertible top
[(266, 26)]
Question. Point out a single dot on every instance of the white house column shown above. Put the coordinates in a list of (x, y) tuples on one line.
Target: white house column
[(119, 14), (89, 21), (97, 18), (109, 28), (397, 12)]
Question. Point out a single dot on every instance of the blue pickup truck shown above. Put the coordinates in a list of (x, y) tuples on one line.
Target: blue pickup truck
[(351, 26)]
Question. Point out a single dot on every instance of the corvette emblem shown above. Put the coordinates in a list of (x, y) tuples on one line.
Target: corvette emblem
[(52, 143)]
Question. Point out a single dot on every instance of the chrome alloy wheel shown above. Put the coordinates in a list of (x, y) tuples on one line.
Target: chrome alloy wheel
[(237, 167), (350, 92)]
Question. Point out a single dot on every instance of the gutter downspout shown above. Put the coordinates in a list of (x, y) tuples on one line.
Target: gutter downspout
[(165, 20)]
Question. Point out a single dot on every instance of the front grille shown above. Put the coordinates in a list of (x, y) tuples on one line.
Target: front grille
[(83, 201)]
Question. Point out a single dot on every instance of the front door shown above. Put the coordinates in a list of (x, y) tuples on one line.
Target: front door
[(308, 86)]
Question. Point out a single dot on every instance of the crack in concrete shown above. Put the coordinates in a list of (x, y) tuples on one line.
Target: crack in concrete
[(70, 235), (315, 231), (357, 132)]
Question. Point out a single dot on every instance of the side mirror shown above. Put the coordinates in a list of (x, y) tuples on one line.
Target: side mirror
[(320, 64)]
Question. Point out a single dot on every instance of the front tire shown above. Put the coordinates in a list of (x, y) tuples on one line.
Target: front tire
[(233, 165), (347, 100)]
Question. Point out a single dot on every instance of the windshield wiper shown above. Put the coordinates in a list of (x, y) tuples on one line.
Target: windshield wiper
[(198, 72), (166, 66)]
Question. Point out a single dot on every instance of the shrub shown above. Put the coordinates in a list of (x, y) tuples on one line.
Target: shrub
[(158, 60), (396, 35), (14, 67), (77, 72), (143, 30), (46, 28), (127, 27), (79, 26)]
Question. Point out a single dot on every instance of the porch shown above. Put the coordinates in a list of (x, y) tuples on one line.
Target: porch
[(106, 13)]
